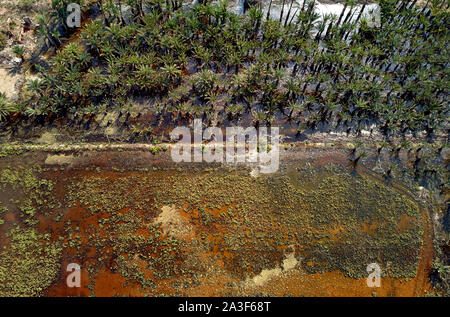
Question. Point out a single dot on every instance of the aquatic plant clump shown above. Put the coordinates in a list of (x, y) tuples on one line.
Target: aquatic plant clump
[(272, 212), (30, 260), (29, 264), (150, 228)]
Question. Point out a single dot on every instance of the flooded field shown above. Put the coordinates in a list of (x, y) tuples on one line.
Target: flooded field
[(139, 225)]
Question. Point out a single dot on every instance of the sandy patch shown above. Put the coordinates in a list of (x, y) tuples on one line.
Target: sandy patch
[(8, 83), (262, 278), (289, 262), (173, 223), (59, 159), (47, 138), (254, 173), (266, 275)]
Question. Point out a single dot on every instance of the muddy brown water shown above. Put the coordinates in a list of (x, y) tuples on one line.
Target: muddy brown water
[(208, 262)]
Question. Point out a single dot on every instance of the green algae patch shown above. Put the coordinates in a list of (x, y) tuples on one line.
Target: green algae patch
[(29, 263), (353, 203), (159, 227), (322, 212), (29, 260)]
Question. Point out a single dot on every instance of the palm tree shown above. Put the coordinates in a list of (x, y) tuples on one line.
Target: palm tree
[(295, 109), (36, 86), (19, 51), (6, 107), (172, 73), (395, 74), (45, 29), (258, 118)]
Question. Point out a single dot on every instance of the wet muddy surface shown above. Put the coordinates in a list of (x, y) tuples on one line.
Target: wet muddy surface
[(140, 225)]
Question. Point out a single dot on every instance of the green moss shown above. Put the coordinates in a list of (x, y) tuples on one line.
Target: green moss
[(8, 150), (29, 264), (156, 149), (302, 209), (321, 212)]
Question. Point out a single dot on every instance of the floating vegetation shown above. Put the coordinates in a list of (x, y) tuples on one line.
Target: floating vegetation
[(29, 260), (29, 263), (156, 225)]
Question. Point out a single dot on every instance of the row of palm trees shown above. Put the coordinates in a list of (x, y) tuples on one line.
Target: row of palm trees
[(337, 72)]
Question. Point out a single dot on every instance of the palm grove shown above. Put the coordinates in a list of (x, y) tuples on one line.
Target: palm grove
[(337, 71)]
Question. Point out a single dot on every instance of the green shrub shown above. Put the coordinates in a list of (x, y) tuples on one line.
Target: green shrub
[(156, 149), (6, 108), (18, 50)]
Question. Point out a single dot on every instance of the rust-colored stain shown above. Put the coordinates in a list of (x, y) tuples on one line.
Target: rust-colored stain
[(204, 250)]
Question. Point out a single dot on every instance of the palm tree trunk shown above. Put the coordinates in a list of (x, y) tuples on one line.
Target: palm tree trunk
[(268, 11), (349, 15), (288, 14), (282, 10), (293, 16), (342, 14), (361, 12)]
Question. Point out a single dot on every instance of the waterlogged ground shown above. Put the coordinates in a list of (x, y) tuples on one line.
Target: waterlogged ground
[(141, 226)]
